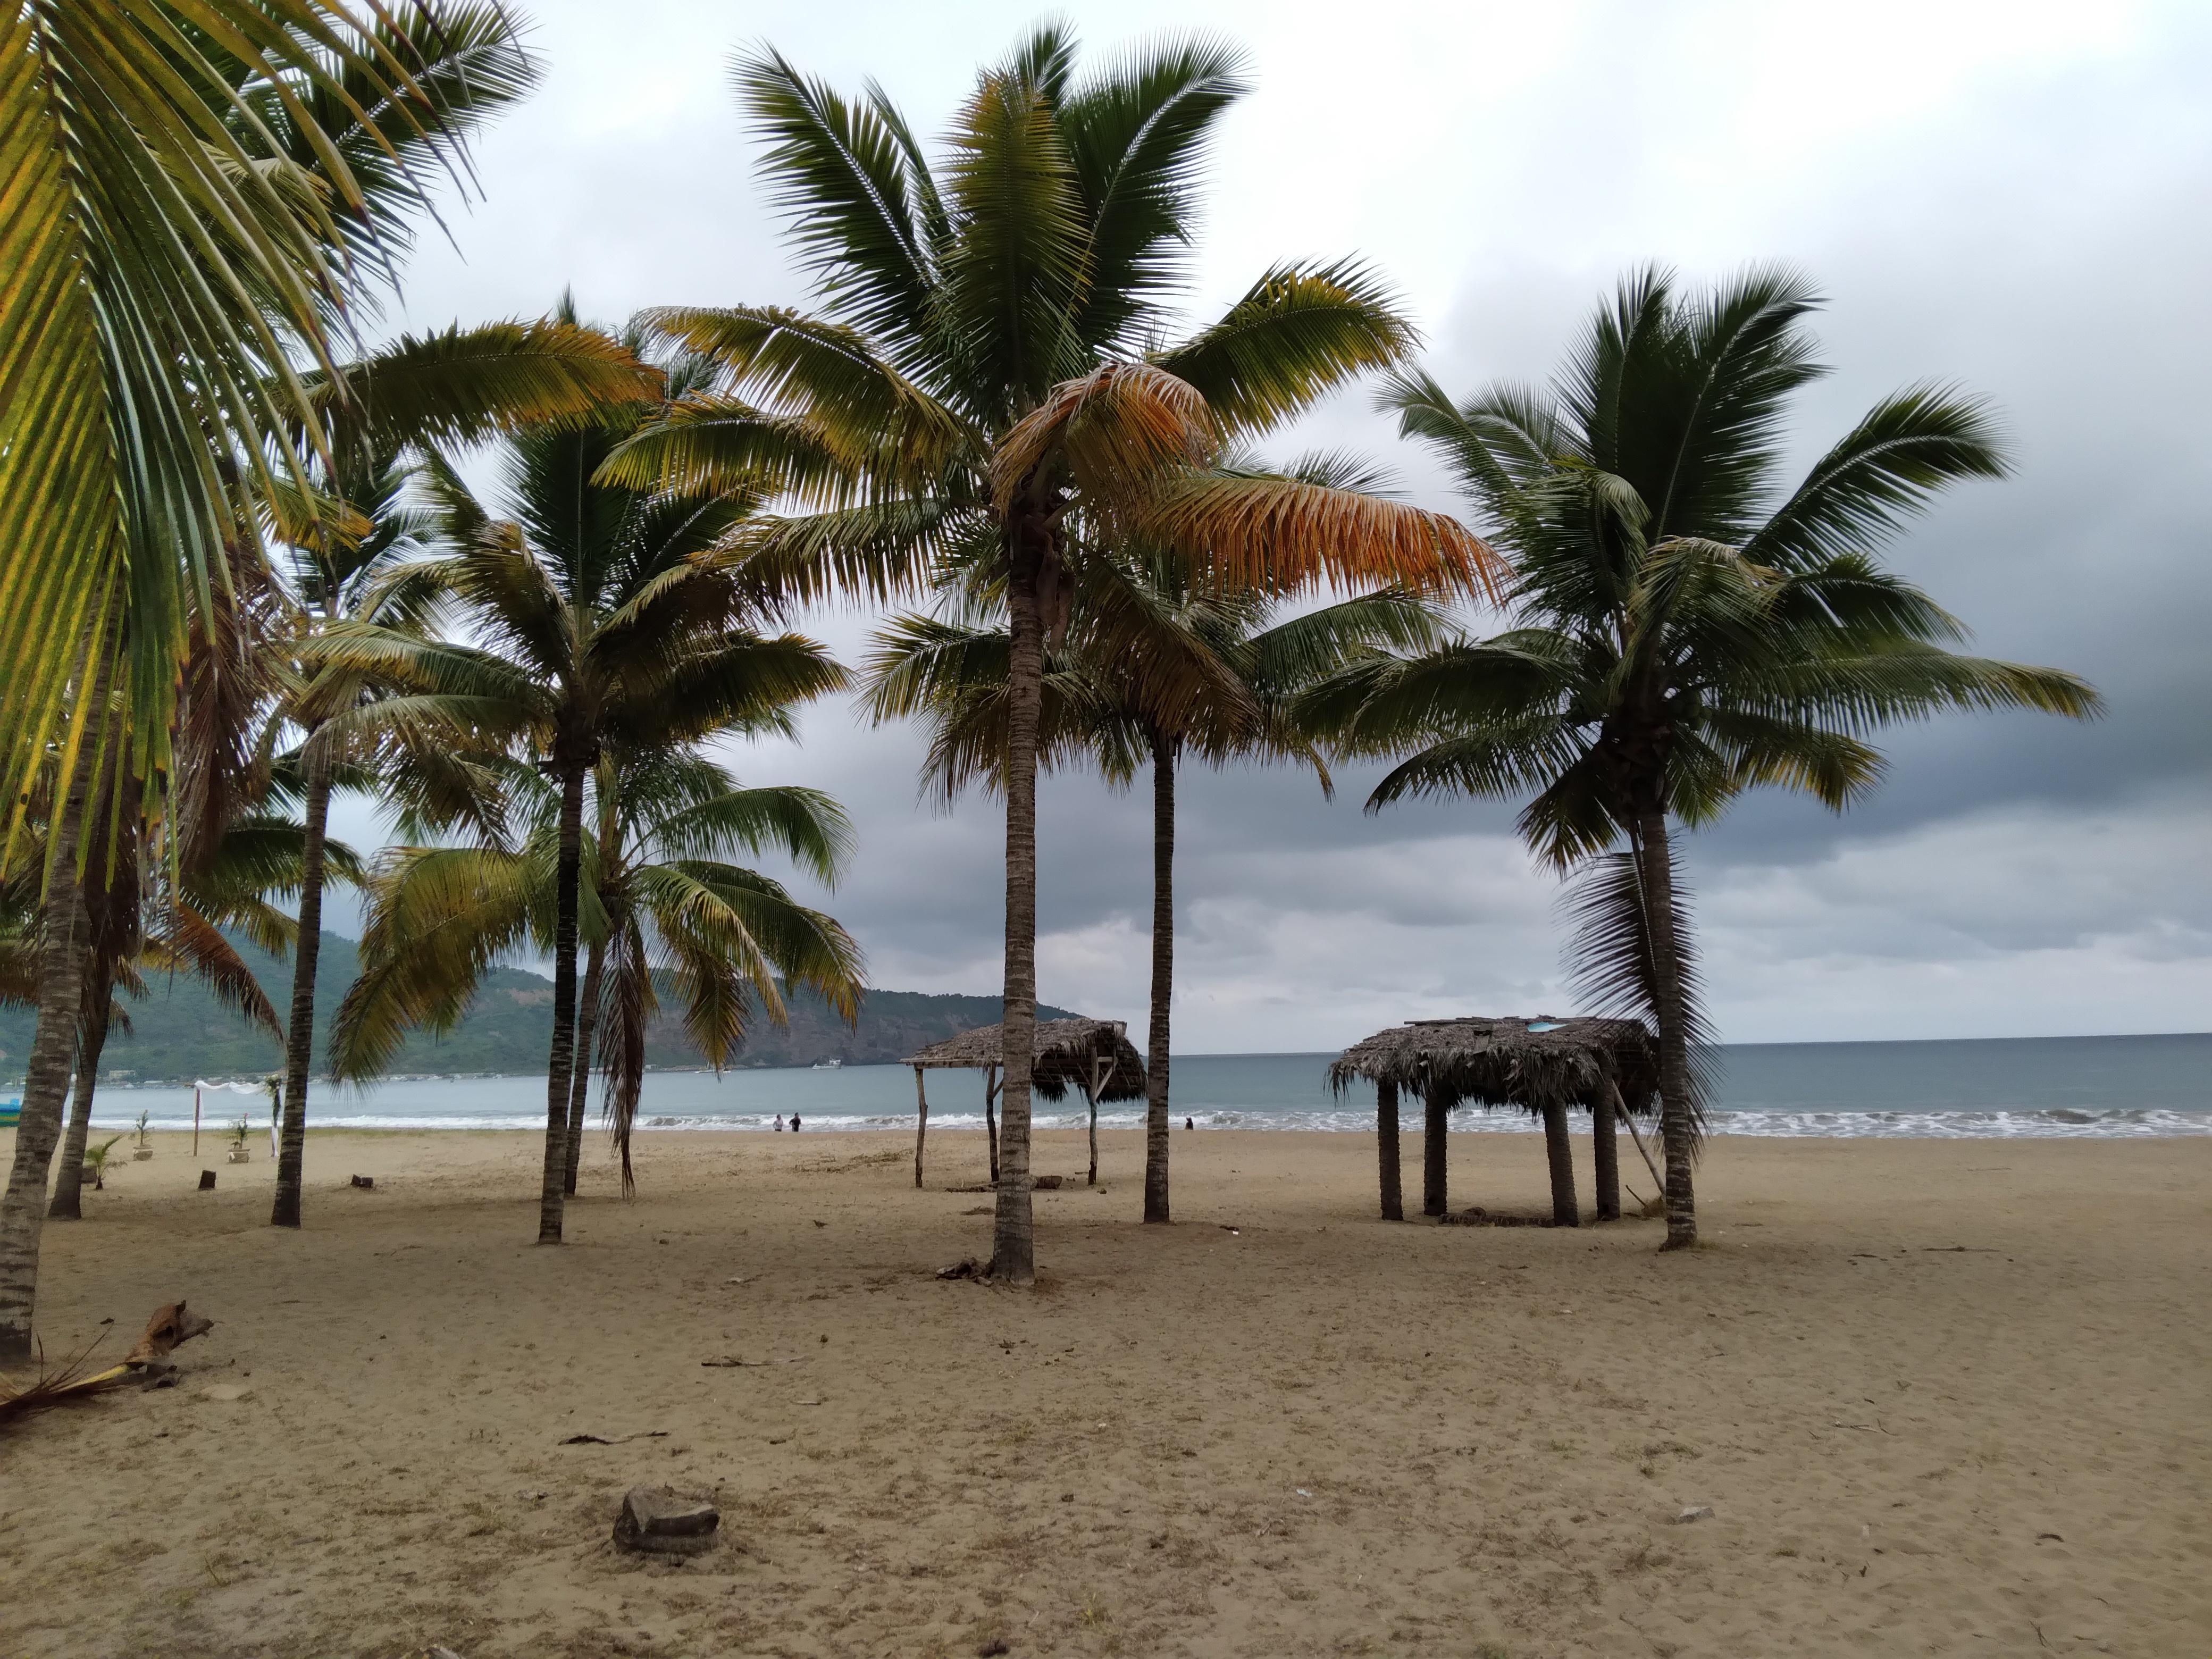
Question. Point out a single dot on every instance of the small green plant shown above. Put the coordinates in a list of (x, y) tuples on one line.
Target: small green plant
[(95, 1159), (144, 1145), (240, 1130)]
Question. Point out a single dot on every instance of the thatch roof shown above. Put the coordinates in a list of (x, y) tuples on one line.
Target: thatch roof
[(1064, 1052), (1508, 1062)]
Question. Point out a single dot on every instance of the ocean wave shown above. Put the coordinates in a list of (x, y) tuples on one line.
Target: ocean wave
[(2048, 1123)]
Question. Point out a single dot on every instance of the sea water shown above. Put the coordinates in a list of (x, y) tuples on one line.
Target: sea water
[(2042, 1087)]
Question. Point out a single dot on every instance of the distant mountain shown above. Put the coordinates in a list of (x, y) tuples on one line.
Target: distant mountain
[(181, 1032)]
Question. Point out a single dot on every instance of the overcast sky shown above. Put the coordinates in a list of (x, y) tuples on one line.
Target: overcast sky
[(2011, 196)]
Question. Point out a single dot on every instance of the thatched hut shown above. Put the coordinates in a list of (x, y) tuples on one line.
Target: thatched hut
[(1093, 1055), (1608, 1067)]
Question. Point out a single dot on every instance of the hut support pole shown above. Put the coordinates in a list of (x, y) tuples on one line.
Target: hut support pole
[(991, 1116), (1385, 1150), (1559, 1154), (1605, 1154), (1628, 1118), (1099, 1069), (920, 1124), (1433, 1195)]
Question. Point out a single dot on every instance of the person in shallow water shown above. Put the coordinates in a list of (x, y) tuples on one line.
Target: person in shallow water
[(1187, 1124), (779, 1123), (794, 1123)]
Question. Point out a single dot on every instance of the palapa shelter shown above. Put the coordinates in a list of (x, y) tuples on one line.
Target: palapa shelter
[(1093, 1055), (1608, 1067)]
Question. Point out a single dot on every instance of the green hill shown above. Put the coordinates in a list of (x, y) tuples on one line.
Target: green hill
[(181, 1032)]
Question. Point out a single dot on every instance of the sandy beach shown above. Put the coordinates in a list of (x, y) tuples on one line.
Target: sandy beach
[(1941, 1398)]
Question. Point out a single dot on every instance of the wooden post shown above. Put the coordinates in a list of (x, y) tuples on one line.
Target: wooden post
[(196, 1119), (1098, 1082), (1628, 1118), (920, 1124), (1559, 1154), (1605, 1150), (1385, 1150), (991, 1116), (1434, 1194)]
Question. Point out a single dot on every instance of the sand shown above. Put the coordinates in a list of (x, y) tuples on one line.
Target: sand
[(1941, 1398)]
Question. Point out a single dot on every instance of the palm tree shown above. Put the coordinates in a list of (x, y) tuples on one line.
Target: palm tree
[(987, 384), (1156, 667), (456, 387), (163, 268), (1686, 628), (601, 633), (673, 915)]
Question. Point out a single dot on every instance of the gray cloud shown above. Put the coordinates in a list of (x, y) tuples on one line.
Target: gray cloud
[(2009, 197)]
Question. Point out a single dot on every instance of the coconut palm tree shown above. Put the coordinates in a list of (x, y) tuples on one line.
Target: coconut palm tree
[(595, 630), (1156, 667), (459, 386), (672, 914), (164, 269), (987, 381), (1688, 625)]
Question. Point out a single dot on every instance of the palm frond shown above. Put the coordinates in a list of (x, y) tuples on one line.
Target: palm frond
[(1300, 332), (1609, 961)]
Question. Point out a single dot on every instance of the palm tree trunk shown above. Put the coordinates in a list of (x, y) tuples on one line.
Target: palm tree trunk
[(1386, 1148), (580, 1084), (46, 1078), (1677, 1125), (1605, 1154), (68, 1183), (1560, 1155), (1013, 1237), (1092, 1180), (991, 1119), (300, 1025), (1156, 1136), (1434, 1200), (560, 1068)]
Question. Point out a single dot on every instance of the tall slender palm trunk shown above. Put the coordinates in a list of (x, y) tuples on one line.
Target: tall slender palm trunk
[(1156, 1137), (299, 1027), (62, 935), (1013, 1237), (561, 1066), (69, 1182), (1677, 1127), (580, 1084)]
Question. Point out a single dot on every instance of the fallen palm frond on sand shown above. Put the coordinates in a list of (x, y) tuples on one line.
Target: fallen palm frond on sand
[(74, 1380)]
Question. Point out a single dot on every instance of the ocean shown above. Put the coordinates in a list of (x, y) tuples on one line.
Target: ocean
[(2041, 1087)]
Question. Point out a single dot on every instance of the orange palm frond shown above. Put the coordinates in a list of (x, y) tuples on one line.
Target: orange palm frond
[(1116, 428), (1282, 533)]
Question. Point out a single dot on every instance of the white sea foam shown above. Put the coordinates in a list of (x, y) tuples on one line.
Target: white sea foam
[(2049, 1124)]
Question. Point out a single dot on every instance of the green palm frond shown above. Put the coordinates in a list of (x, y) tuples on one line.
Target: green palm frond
[(1136, 136), (1300, 332), (1609, 959), (847, 183), (156, 284), (437, 918)]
